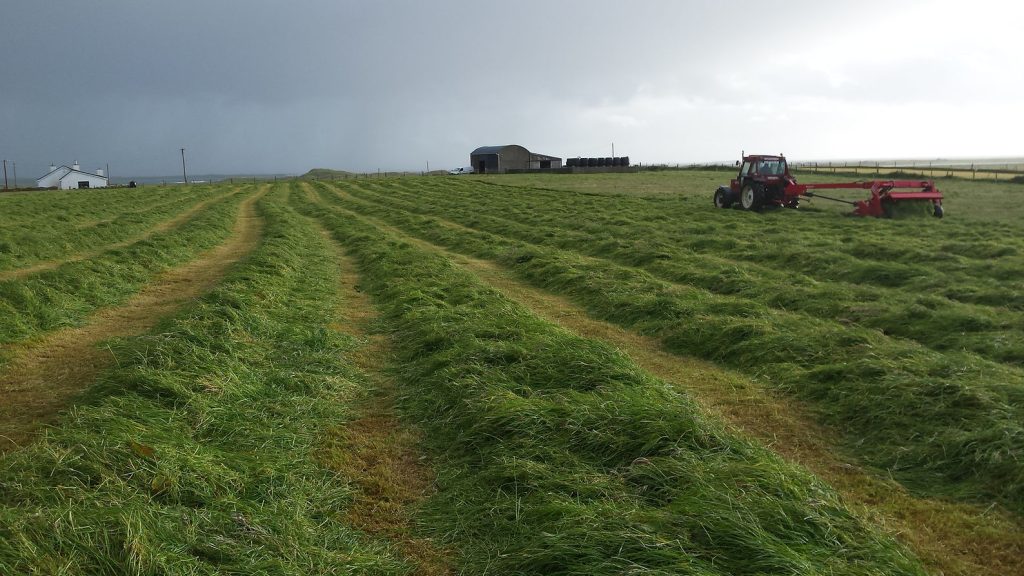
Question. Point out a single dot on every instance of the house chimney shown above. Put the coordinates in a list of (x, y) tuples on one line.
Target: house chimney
[(75, 166)]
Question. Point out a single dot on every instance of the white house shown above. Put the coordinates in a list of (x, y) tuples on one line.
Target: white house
[(68, 178)]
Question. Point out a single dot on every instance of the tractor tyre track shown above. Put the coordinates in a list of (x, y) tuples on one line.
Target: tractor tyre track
[(375, 450), (950, 538), (42, 377)]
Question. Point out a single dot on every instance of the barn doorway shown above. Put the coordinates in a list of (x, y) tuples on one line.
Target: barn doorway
[(481, 166), (83, 184)]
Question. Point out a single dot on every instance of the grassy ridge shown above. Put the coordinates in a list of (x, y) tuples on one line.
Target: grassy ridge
[(924, 317), (55, 237), (66, 295), (557, 455), (196, 455), (944, 424)]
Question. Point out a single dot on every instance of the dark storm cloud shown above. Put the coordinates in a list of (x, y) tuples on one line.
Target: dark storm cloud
[(259, 86)]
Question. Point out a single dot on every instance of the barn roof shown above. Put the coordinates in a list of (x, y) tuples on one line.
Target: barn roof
[(494, 149)]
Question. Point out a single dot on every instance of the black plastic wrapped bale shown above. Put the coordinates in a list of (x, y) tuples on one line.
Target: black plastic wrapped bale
[(600, 162), (592, 162), (624, 161)]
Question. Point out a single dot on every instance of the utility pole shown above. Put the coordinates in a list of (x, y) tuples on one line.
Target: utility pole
[(184, 176), (613, 149), (15, 175), (5, 174), (108, 173)]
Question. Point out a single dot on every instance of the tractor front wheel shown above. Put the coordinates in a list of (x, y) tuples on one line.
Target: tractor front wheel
[(723, 198), (752, 197)]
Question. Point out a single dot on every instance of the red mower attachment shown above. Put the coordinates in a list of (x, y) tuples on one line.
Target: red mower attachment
[(765, 181)]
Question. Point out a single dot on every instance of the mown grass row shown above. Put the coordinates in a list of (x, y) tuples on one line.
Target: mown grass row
[(953, 242), (81, 228), (885, 254), (557, 455), (47, 239), (932, 320), (919, 242), (944, 424), (68, 294), (62, 206), (198, 453), (871, 251)]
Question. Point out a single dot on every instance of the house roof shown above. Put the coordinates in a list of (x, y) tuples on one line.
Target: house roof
[(70, 170)]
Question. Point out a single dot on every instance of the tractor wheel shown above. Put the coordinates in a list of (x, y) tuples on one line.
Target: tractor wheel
[(752, 197), (723, 198), (938, 211)]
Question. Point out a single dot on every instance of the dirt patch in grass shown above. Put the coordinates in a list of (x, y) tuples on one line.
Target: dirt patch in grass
[(950, 538), (43, 376), (164, 226), (376, 451)]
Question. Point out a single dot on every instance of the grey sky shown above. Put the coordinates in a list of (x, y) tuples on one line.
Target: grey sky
[(261, 86)]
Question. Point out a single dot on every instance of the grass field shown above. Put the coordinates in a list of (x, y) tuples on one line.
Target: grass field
[(523, 374)]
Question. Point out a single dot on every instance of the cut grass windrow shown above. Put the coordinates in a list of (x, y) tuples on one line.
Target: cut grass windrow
[(983, 265), (68, 207), (555, 454), (65, 296), (62, 246), (943, 424), (43, 376), (47, 235), (995, 250), (935, 321), (196, 454), (950, 538)]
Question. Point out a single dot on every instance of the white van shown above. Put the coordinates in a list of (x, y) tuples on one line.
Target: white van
[(463, 170)]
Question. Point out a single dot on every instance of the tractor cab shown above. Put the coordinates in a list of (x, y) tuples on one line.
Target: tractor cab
[(761, 181)]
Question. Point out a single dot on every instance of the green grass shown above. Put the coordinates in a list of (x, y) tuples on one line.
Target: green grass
[(25, 241), (944, 423), (197, 453), (976, 201), (65, 296), (556, 455), (937, 322)]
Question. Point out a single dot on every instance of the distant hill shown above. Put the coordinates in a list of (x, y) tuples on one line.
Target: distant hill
[(326, 174)]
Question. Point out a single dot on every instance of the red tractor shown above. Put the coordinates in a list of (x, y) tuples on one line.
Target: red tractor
[(765, 181)]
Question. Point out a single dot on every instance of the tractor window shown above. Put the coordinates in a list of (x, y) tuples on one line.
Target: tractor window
[(745, 169), (772, 168)]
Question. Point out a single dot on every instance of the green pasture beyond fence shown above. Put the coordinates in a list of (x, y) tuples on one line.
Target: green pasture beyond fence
[(1013, 172)]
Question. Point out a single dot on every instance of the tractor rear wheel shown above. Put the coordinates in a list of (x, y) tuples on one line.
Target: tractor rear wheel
[(752, 197), (723, 198)]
